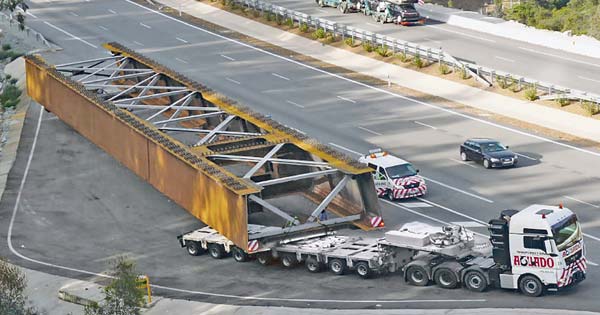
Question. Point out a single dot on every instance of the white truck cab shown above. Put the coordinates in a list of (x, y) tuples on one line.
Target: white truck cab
[(394, 177)]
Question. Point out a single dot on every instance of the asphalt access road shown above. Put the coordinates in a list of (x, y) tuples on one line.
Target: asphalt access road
[(428, 137), (516, 57)]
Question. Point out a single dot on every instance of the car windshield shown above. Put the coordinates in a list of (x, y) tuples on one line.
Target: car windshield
[(566, 231), (492, 147), (402, 170)]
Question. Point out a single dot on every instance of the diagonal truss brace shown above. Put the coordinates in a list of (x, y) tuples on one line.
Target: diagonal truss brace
[(242, 158), (217, 129), (296, 177), (334, 192), (274, 209), (264, 160)]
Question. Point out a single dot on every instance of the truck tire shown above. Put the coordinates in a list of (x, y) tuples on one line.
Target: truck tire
[(445, 278), (239, 255), (390, 195), (313, 265), (194, 248), (264, 258), (363, 269), (417, 276), (474, 280), (288, 260), (531, 286), (216, 251), (338, 266)]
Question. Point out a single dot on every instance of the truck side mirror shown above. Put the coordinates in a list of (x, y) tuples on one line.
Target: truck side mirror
[(418, 170)]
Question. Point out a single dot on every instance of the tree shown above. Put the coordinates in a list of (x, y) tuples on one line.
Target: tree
[(15, 5), (122, 296), (12, 287)]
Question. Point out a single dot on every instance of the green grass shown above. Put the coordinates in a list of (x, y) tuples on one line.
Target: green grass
[(367, 46), (531, 93), (11, 95), (444, 69)]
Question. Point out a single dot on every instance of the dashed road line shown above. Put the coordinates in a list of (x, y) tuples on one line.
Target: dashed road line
[(525, 156), (73, 14), (346, 99), (458, 190), (112, 11), (228, 58), (416, 205), (453, 211), (32, 15), (461, 33), (181, 40), (374, 25), (103, 28), (559, 57), (369, 131), (279, 76), (145, 25), (589, 79), (462, 162), (425, 125), (583, 202), (345, 149), (180, 60), (294, 103), (138, 43), (232, 80), (504, 59), (71, 35)]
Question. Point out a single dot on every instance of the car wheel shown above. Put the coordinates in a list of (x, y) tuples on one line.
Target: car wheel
[(463, 156), (531, 286), (390, 195), (486, 163)]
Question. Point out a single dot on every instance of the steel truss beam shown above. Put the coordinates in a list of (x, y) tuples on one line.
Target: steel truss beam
[(180, 119), (296, 177), (334, 192), (305, 226), (143, 97), (242, 158), (227, 133), (275, 210), (263, 160), (217, 129)]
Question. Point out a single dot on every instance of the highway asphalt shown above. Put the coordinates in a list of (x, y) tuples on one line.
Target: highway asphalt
[(516, 57), (79, 207)]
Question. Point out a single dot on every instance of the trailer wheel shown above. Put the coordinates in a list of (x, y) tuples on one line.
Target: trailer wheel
[(475, 281), (264, 258), (239, 255), (445, 278), (194, 248), (531, 286), (313, 265), (216, 251), (363, 270), (288, 260), (338, 266), (417, 276)]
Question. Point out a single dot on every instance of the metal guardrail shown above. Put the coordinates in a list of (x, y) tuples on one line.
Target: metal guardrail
[(28, 30), (484, 75)]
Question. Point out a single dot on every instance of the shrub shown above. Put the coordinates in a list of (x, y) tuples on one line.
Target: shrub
[(562, 101), (367, 46), (590, 108), (383, 51), (319, 33), (502, 83), (255, 13), (303, 28), (403, 57), (418, 62), (10, 96), (464, 74), (13, 81), (223, 2), (6, 47), (329, 38), (4, 54), (278, 20), (531, 93), (269, 16), (514, 85), (350, 41), (289, 22), (444, 69)]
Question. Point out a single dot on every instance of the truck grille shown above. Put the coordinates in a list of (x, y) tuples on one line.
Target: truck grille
[(412, 185), (573, 258)]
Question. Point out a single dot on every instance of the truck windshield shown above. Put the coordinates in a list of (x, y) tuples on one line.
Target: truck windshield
[(566, 232), (402, 170)]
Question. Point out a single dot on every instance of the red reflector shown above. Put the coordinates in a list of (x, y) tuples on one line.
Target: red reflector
[(381, 224), (560, 206)]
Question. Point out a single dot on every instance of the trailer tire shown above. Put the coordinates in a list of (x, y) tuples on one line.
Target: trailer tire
[(239, 255), (313, 265), (531, 286), (194, 248), (445, 278), (338, 266), (264, 258), (475, 280), (216, 251), (363, 269), (417, 276), (288, 260)]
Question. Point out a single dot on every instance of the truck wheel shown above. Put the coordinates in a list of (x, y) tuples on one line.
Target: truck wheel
[(417, 276), (475, 281), (288, 261), (463, 156), (486, 163), (264, 258), (338, 266), (194, 248), (445, 278), (363, 270), (313, 265), (390, 195), (239, 255), (216, 251), (531, 286)]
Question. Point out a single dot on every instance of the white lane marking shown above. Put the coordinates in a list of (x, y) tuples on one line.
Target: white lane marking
[(504, 59), (112, 11), (589, 79), (346, 99), (32, 15), (446, 110), (425, 125), (583, 202), (345, 149), (370, 131), (16, 253), (138, 43), (181, 40), (416, 205), (559, 57), (461, 33), (463, 163), (103, 28), (595, 238), (73, 14), (320, 10), (452, 211), (232, 80), (180, 60), (228, 58), (69, 34), (525, 156), (374, 25), (279, 76), (432, 40), (592, 263), (293, 103), (458, 190), (145, 25), (469, 224)]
